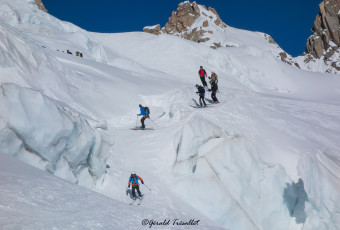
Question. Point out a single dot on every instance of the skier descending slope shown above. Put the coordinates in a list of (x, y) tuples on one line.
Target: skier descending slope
[(135, 185), (144, 111), (202, 74), (201, 93)]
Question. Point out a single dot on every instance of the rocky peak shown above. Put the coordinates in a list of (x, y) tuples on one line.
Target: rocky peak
[(191, 21), (40, 5), (325, 41)]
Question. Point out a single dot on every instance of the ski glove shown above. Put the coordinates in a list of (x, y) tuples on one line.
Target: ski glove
[(142, 182), (129, 186)]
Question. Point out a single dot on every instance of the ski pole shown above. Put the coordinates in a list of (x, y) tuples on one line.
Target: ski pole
[(147, 187), (153, 122)]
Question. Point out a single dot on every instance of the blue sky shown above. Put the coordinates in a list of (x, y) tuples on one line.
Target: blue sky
[(288, 22)]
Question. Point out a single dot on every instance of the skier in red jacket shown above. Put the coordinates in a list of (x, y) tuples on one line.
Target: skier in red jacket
[(202, 74)]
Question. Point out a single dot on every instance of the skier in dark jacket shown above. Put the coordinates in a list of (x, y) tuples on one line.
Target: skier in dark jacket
[(142, 113), (201, 93), (213, 91), (202, 74), (135, 185)]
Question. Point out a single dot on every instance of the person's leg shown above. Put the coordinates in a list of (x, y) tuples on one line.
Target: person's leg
[(133, 191), (200, 100), (216, 100), (203, 81), (139, 193), (142, 120), (213, 96)]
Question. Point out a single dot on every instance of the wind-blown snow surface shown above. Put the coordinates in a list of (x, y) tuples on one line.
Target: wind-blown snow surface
[(266, 157)]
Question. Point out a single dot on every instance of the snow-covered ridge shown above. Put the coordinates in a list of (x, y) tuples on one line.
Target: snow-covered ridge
[(26, 17)]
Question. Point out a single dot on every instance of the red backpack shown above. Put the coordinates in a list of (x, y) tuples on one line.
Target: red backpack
[(202, 72)]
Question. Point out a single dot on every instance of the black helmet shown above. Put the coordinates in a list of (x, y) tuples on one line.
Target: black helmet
[(140, 105), (197, 85), (201, 67)]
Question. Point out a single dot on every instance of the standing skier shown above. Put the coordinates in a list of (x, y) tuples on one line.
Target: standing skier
[(213, 91), (142, 113), (201, 93), (213, 78), (202, 74), (135, 185)]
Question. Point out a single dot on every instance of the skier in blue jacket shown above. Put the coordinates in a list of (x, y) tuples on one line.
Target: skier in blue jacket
[(134, 179), (142, 113)]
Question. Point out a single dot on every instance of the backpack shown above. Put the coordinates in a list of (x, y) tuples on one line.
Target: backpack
[(202, 72), (201, 90), (134, 181), (147, 111)]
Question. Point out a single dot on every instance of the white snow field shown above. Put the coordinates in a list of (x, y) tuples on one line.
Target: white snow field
[(266, 157), (32, 199)]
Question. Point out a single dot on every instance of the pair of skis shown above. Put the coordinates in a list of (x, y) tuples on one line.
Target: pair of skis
[(140, 199), (201, 107), (140, 128)]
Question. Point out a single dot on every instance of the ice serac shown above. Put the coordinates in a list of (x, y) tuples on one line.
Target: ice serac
[(202, 24), (323, 46), (214, 159), (320, 170), (51, 136), (40, 5)]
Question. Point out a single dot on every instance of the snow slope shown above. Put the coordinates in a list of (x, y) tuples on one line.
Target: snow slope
[(266, 157), (32, 199)]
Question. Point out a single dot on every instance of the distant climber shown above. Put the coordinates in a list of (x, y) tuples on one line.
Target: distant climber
[(213, 91), (144, 111), (135, 185), (202, 74), (78, 54), (201, 93)]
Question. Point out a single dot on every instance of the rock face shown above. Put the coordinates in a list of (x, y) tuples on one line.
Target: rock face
[(156, 30), (325, 41), (184, 23), (40, 5), (200, 24)]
